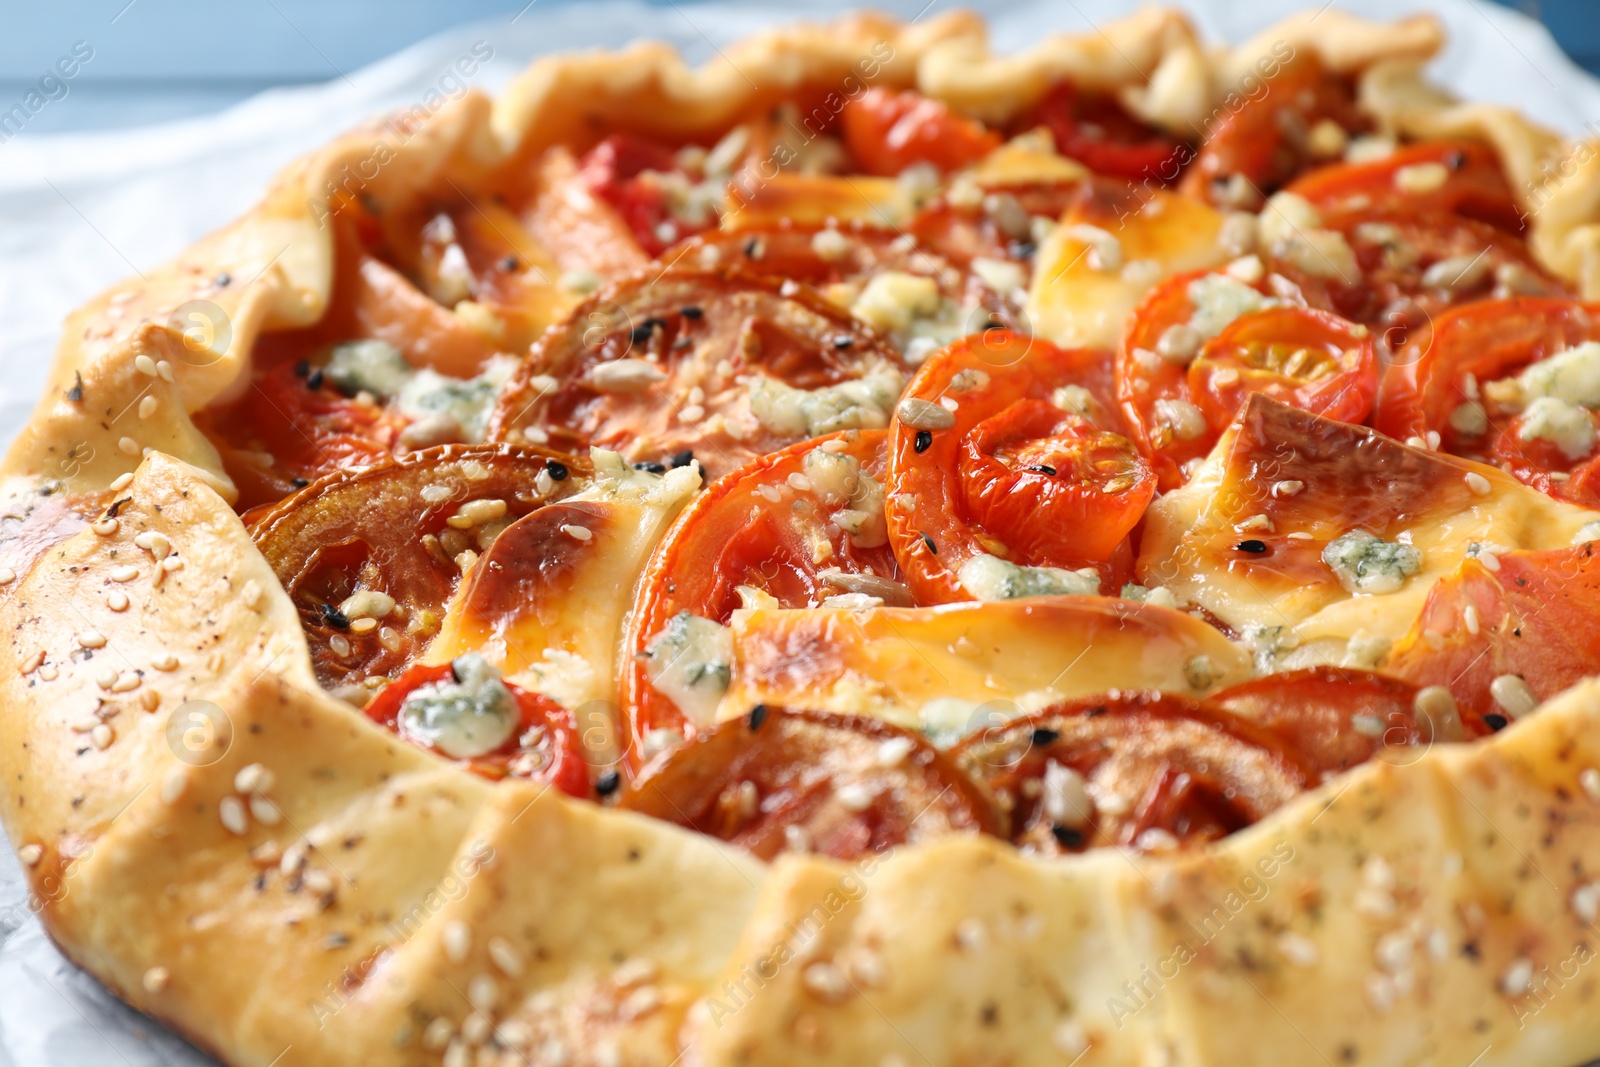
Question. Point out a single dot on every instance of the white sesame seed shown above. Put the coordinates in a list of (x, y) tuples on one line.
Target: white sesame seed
[(254, 778), (577, 533), (126, 682), (1395, 951), (799, 482), (893, 752), (1477, 483), (124, 573), (692, 413), (155, 979), (171, 563), (1586, 902), (1381, 992), (173, 784), (641, 1001), (145, 365), (265, 811), (317, 881), (1518, 977), (154, 542), (106, 527), (117, 600), (854, 796), (971, 934), (1438, 943), (389, 638), (1066, 796), (1071, 1038), (826, 982), (148, 406), (149, 700), (634, 971), (769, 493), (1421, 177), (121, 482), (250, 595), (233, 815), (1375, 903), (921, 415), (505, 956), (341, 644), (128, 446), (92, 639), (1299, 949), (164, 661), (1513, 695), (361, 626), (458, 1054), (107, 678), (1469, 617), (438, 1034), (164, 369), (457, 940), (30, 854), (475, 1028), (294, 857), (483, 992)]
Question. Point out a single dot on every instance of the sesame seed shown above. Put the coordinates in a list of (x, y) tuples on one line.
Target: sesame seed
[(128, 446), (799, 482), (171, 563), (457, 940), (971, 934), (1381, 992), (147, 407), (505, 956), (30, 854), (173, 784), (231, 809), (124, 573), (149, 700), (254, 778), (155, 979), (826, 982), (154, 542), (121, 482), (438, 1034), (854, 796), (1477, 483), (769, 493), (164, 369), (250, 595), (893, 752), (145, 365), (1469, 617), (1070, 1038), (921, 415), (265, 811), (106, 527), (165, 661), (48, 673), (1513, 695), (1585, 902), (1299, 949), (126, 682), (361, 626), (341, 644), (483, 992), (1518, 978), (458, 1054), (1589, 779), (1287, 487), (1395, 951), (634, 972), (92, 639), (577, 533)]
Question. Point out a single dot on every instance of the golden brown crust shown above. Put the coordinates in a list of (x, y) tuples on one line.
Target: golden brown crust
[(360, 891)]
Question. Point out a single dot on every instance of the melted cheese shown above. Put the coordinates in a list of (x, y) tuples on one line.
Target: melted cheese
[(918, 666), (1297, 483), (1078, 299), (545, 603)]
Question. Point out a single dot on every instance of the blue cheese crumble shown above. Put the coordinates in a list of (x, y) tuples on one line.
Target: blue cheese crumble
[(378, 368), (991, 578), (1365, 563), (470, 714), (690, 662)]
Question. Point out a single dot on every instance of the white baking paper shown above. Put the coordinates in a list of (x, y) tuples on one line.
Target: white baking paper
[(78, 212)]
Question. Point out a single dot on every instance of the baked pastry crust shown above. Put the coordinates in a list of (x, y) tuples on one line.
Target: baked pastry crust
[(1429, 912)]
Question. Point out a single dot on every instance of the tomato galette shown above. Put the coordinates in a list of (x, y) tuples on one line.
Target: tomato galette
[(867, 552)]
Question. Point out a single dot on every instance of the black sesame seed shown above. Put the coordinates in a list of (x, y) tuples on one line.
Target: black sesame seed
[(843, 340), (509, 264), (642, 332), (1455, 160), (1021, 249), (224, 280), (1067, 836), (314, 379), (1254, 547), (75, 394), (650, 467), (753, 248), (1045, 736), (302, 369), (932, 548), (1042, 468), (556, 470), (299, 483), (692, 313), (607, 783), (758, 715), (335, 618), (924, 441), (1096, 712), (681, 459), (1496, 721)]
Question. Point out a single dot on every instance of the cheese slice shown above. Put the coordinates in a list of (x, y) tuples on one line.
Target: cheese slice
[(756, 201), (546, 603), (1085, 285), (962, 665), (1245, 538)]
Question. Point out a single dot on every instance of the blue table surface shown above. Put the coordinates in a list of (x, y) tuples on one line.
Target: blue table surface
[(154, 60)]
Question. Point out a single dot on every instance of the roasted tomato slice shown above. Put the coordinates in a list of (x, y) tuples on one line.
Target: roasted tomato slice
[(1411, 267), (803, 781), (371, 557), (1506, 637), (1458, 379), (1146, 770), (1000, 226), (719, 365), (464, 711), (1255, 143), (1338, 717), (628, 172), (1200, 344), (887, 131), (1007, 472), (1098, 132), (291, 427), (1459, 178), (804, 526)]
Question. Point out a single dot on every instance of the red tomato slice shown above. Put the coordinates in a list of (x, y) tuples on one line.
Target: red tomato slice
[(1441, 368), (373, 530), (1311, 359), (622, 170), (769, 526), (1546, 466), (291, 428), (544, 747), (837, 785), (1146, 770), (1337, 717), (1098, 132), (625, 369), (1260, 141), (1461, 178), (1536, 616), (1007, 473), (888, 131)]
